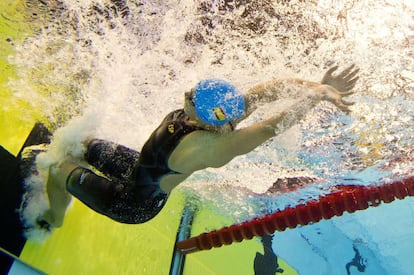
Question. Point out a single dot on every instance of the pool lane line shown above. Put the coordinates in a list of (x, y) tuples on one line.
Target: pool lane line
[(343, 198)]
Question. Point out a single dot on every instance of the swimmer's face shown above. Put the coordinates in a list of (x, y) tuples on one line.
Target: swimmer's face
[(189, 106)]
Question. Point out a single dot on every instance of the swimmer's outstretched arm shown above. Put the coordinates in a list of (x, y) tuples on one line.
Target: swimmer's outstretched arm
[(222, 148), (296, 88)]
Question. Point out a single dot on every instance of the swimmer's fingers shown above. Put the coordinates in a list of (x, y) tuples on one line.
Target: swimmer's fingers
[(347, 103), (352, 74), (351, 83), (344, 94), (345, 110), (327, 78), (330, 94), (351, 80), (344, 81), (331, 70), (348, 71), (344, 106)]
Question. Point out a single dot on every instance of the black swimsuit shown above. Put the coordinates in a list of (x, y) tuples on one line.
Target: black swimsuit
[(130, 191)]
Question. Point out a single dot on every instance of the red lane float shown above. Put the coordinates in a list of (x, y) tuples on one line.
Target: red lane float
[(349, 198)]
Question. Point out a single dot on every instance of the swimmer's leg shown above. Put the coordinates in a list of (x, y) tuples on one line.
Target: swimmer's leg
[(59, 198), (96, 192), (112, 159)]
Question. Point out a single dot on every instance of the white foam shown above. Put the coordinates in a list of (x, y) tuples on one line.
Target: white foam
[(35, 203), (134, 70)]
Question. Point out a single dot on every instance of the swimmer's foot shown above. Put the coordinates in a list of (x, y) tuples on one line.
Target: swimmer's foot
[(44, 225), (59, 198)]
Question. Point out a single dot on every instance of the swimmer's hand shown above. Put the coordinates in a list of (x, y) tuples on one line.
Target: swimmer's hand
[(335, 88), (328, 93), (345, 81)]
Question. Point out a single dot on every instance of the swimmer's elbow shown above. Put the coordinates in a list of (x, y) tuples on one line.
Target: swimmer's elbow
[(220, 162)]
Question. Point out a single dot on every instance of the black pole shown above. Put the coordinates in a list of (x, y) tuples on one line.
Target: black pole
[(184, 232)]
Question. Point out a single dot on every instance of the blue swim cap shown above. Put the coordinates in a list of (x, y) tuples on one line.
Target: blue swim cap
[(218, 102)]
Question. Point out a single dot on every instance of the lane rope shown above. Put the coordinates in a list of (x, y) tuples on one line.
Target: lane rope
[(349, 198)]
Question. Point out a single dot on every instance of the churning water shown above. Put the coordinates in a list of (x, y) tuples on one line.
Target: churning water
[(114, 68)]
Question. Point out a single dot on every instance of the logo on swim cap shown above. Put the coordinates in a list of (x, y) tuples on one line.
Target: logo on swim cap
[(218, 102), (220, 115)]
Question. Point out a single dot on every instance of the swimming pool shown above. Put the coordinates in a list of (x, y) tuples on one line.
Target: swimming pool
[(113, 69)]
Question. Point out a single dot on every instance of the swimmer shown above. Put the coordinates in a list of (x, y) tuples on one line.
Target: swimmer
[(132, 187)]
